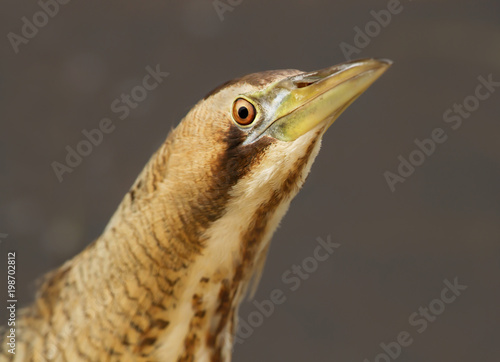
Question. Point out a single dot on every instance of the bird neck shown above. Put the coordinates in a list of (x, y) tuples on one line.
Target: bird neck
[(166, 277), (172, 276)]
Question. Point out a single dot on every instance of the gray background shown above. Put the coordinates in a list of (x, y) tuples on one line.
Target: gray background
[(396, 248)]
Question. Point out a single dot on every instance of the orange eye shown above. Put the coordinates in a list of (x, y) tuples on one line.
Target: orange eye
[(243, 112)]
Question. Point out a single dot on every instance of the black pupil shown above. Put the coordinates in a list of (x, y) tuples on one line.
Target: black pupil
[(243, 112)]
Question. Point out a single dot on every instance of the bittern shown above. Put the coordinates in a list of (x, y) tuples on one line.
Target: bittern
[(165, 279)]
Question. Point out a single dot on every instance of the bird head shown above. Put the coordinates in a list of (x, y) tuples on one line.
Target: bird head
[(262, 128)]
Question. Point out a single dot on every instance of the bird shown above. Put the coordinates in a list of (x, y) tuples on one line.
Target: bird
[(189, 240)]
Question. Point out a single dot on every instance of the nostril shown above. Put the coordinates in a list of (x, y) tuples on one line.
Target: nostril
[(302, 83)]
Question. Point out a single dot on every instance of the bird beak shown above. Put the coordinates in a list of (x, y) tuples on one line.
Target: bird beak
[(304, 101)]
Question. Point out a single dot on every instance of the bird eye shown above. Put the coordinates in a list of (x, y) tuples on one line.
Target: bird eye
[(243, 112)]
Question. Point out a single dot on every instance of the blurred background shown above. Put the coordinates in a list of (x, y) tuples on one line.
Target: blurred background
[(396, 248)]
